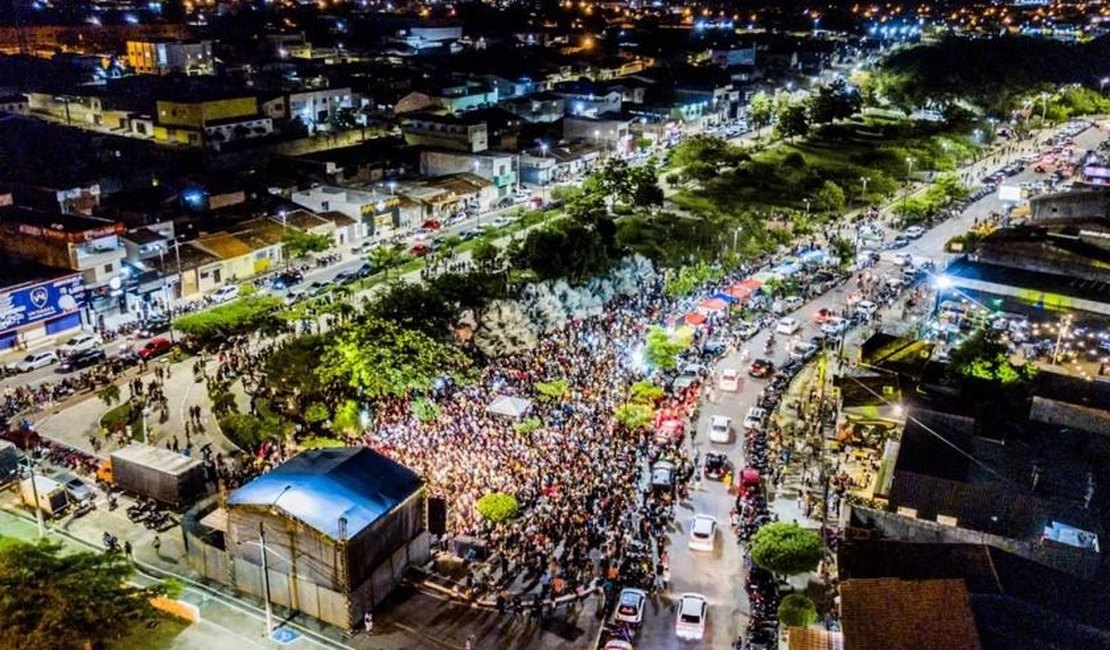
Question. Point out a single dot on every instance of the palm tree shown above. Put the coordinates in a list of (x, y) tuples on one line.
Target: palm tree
[(385, 258)]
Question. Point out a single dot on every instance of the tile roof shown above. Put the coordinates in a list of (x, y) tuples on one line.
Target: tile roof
[(813, 638), (892, 614)]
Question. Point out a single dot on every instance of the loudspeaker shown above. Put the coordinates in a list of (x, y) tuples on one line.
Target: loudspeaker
[(437, 516)]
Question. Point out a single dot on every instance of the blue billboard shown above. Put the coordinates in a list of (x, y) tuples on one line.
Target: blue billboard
[(41, 302)]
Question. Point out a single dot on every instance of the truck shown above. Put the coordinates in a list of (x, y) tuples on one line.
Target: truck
[(51, 495), (155, 473)]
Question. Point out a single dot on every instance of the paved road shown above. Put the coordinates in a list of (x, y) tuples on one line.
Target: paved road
[(719, 576)]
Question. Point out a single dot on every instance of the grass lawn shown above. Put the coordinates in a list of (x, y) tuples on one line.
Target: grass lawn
[(143, 637), (120, 416)]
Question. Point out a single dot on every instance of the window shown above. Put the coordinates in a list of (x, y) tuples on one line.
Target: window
[(107, 268)]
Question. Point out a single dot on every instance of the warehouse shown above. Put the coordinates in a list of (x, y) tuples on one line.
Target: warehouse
[(339, 526)]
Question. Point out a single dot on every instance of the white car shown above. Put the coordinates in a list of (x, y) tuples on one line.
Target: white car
[(720, 429), (787, 326), (803, 351), (866, 308), (754, 418), (730, 380), (630, 607), (37, 360), (746, 330), (834, 326), (692, 614), (902, 259), (225, 293), (79, 343), (703, 533), (913, 232), (787, 304)]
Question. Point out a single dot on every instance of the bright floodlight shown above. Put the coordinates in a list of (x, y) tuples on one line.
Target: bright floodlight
[(943, 282)]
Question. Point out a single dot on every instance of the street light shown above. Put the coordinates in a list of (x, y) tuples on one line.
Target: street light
[(392, 186), (265, 566), (864, 180), (1102, 84)]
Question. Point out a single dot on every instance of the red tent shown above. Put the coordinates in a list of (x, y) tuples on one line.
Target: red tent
[(695, 319), (741, 290), (711, 305)]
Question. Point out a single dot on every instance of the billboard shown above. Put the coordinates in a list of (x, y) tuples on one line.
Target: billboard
[(41, 301)]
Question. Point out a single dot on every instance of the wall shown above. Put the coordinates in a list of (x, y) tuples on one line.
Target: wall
[(197, 114), (907, 529), (1070, 205)]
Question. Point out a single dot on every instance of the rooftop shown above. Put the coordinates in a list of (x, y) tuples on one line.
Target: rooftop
[(323, 486), (893, 614)]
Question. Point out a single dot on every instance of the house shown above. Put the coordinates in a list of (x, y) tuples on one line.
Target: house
[(893, 614), (455, 98), (377, 213), (37, 302), (315, 108), (464, 133), (544, 107), (587, 99), (162, 56), (499, 168), (196, 119), (14, 105), (611, 132)]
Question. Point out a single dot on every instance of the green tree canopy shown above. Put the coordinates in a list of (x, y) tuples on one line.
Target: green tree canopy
[(792, 120), (760, 110), (376, 358), (298, 243), (830, 197), (497, 506), (786, 548), (985, 356), (661, 349), (568, 250), (384, 258), (634, 415), (417, 306), (796, 610), (241, 316), (835, 101), (55, 600)]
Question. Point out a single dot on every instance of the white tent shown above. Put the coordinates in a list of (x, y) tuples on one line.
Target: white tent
[(514, 407)]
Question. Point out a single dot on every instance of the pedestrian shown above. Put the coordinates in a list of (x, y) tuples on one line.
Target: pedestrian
[(127, 548), (157, 544), (368, 622)]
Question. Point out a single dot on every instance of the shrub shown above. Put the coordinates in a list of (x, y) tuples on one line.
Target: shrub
[(797, 610), (497, 506), (786, 549)]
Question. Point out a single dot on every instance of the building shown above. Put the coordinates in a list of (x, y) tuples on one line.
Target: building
[(163, 56), (14, 105), (446, 131), (498, 168), (892, 614), (315, 108), (196, 119), (586, 99), (541, 107), (610, 133), (377, 213), (340, 526), (454, 98), (38, 302), (88, 246)]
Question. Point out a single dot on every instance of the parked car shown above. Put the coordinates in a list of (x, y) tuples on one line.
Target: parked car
[(720, 429), (37, 360), (803, 351), (79, 343), (345, 277), (913, 232), (82, 359), (730, 380), (754, 419), (75, 487), (823, 314), (693, 610), (834, 326), (420, 249), (787, 326), (317, 288), (287, 279), (786, 305), (154, 326), (761, 368), (866, 308), (365, 270), (155, 347), (630, 606), (746, 330), (225, 293)]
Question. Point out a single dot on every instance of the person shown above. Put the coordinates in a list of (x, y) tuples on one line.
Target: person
[(368, 622), (157, 544), (127, 548)]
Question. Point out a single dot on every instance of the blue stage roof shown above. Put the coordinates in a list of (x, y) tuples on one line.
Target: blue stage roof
[(321, 486)]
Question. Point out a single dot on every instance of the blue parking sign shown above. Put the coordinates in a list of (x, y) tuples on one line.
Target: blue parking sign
[(284, 635)]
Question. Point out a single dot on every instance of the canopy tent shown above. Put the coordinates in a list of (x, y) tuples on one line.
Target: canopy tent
[(785, 269), (695, 319), (763, 276), (710, 306), (814, 256), (727, 297), (743, 290), (514, 407)]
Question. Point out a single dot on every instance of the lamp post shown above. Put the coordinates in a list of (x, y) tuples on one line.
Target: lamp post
[(864, 180), (392, 187), (1102, 84), (265, 566), (909, 178), (545, 178), (1065, 324)]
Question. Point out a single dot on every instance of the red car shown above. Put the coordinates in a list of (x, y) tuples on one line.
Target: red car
[(155, 348), (432, 224), (762, 368), (420, 250), (669, 427), (823, 314)]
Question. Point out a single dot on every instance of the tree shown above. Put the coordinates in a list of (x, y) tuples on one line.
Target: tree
[(830, 197), (486, 255), (760, 110), (796, 610), (110, 394), (245, 430), (835, 101), (239, 317), (550, 391), (661, 349), (415, 306), (792, 120), (384, 258), (298, 243), (496, 507), (985, 356), (376, 358), (703, 148), (646, 392), (566, 249), (634, 416), (55, 600), (786, 548)]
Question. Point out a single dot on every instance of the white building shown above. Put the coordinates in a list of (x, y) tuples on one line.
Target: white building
[(163, 56)]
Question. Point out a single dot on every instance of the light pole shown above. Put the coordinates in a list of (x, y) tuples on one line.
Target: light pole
[(545, 177), (1064, 325), (1102, 84), (864, 180), (265, 566), (806, 201), (392, 187), (909, 177)]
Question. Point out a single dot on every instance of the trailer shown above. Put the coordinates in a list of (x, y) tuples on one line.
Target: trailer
[(50, 494), (156, 473)]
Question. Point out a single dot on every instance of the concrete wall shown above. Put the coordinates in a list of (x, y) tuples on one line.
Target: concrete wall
[(906, 529), (1075, 416)]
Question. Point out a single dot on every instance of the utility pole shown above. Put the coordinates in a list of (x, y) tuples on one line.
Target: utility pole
[(266, 578)]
